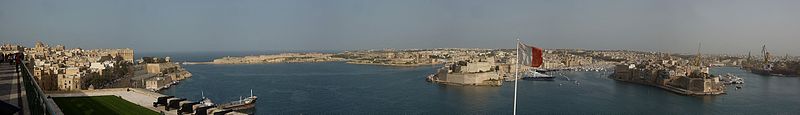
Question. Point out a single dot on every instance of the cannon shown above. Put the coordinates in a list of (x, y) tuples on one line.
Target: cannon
[(161, 100), (203, 110), (187, 107), (173, 103)]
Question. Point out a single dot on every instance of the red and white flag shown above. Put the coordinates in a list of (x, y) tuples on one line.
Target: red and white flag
[(529, 55)]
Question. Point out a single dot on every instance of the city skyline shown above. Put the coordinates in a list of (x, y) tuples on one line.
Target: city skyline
[(159, 26)]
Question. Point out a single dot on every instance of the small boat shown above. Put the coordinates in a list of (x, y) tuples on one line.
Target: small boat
[(731, 79), (550, 78), (541, 70), (205, 101)]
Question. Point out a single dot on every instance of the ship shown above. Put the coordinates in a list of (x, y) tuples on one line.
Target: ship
[(766, 71), (766, 67), (242, 104)]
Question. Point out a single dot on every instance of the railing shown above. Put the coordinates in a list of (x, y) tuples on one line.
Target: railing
[(37, 104)]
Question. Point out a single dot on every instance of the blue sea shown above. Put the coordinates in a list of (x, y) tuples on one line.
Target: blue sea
[(340, 88)]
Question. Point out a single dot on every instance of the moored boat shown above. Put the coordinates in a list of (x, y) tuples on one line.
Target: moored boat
[(241, 104), (731, 79), (541, 78)]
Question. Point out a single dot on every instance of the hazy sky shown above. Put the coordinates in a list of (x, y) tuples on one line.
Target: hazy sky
[(727, 26)]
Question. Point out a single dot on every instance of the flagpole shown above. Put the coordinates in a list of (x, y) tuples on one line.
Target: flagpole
[(516, 77)]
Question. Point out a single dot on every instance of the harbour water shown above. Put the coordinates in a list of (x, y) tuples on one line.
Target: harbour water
[(340, 88)]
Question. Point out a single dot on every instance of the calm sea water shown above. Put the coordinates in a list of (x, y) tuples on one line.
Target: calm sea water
[(340, 88)]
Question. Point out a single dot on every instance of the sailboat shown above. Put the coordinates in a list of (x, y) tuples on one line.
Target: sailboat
[(205, 101)]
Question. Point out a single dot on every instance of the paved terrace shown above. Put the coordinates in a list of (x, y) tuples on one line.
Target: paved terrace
[(10, 91)]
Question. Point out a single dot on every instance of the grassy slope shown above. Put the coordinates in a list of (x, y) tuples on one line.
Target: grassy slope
[(100, 105)]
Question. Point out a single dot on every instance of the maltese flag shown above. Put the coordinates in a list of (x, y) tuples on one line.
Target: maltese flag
[(529, 55)]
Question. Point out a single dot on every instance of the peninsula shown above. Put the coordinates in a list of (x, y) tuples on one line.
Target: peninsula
[(278, 58), (392, 57), (412, 57)]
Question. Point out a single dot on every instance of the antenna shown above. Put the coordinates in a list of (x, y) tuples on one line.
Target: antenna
[(765, 53), (202, 94), (748, 55), (251, 92)]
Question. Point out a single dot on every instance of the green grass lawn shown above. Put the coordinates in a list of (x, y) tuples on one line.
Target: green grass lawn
[(100, 105)]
